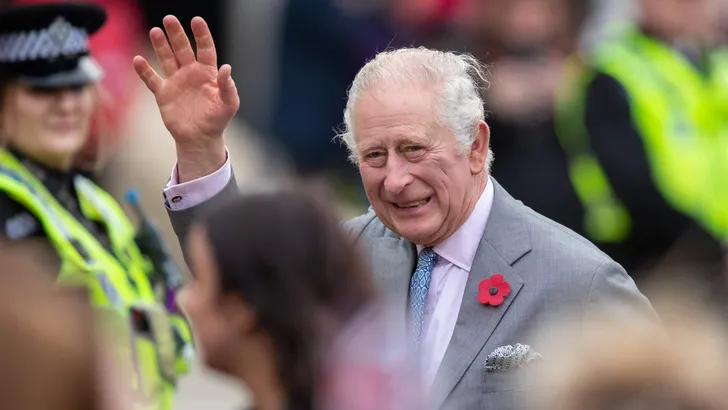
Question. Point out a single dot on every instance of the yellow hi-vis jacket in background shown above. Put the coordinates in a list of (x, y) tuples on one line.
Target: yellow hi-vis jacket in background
[(156, 344)]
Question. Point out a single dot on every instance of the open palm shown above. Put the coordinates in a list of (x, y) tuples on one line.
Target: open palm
[(196, 100)]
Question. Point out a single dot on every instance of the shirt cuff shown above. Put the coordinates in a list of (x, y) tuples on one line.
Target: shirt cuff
[(186, 195)]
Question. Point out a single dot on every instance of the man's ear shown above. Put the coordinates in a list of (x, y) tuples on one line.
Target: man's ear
[(479, 149)]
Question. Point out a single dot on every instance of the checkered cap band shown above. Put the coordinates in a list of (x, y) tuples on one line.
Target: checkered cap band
[(59, 39)]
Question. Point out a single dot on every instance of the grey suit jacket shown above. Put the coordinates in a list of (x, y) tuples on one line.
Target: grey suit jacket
[(552, 272)]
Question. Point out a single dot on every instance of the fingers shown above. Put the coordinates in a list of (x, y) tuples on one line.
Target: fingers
[(163, 51), (206, 53), (228, 91), (180, 43), (151, 79)]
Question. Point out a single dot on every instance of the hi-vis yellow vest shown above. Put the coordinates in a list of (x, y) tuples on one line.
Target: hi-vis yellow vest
[(682, 116), (119, 285)]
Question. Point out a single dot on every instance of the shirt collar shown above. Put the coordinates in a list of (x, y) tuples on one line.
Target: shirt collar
[(460, 248)]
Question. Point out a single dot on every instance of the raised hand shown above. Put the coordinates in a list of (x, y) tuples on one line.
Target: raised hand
[(196, 100)]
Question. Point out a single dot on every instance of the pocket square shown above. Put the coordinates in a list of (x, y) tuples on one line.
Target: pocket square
[(511, 357)]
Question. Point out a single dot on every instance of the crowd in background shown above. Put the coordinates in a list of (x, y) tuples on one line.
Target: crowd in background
[(293, 61)]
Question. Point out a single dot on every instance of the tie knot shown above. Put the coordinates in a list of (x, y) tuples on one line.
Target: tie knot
[(427, 257)]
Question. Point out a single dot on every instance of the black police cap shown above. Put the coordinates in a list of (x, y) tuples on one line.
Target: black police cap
[(47, 44)]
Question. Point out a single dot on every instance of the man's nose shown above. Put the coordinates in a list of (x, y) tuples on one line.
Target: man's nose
[(398, 175)]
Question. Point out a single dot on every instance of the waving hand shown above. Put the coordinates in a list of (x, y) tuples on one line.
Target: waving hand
[(196, 100)]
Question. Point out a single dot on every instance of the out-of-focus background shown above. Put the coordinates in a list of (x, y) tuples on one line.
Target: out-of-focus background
[(293, 61)]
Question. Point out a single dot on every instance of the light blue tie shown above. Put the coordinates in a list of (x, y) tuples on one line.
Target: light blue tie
[(419, 286)]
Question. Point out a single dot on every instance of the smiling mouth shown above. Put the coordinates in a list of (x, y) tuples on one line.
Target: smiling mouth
[(413, 204)]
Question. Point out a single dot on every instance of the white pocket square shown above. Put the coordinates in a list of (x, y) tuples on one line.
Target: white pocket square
[(511, 357)]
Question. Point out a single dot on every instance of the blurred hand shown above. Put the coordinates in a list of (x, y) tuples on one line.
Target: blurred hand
[(196, 100)]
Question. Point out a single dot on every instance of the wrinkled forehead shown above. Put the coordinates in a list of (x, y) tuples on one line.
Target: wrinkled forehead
[(404, 112)]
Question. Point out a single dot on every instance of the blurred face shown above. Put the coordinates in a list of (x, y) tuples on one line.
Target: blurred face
[(529, 23), (49, 125), (219, 321), (415, 175), (695, 20), (519, 24)]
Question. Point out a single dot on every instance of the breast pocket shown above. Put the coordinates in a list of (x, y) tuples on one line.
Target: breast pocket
[(507, 380)]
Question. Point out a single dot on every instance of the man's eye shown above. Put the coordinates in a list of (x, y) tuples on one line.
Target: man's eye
[(413, 148), (375, 154)]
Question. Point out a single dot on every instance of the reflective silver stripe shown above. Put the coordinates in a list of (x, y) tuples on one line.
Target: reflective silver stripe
[(87, 190)]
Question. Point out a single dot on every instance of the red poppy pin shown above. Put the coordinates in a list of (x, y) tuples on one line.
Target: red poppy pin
[(492, 291)]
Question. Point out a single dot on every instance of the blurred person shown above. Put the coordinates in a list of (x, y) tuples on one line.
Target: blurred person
[(275, 280), (628, 365), (472, 267), (48, 99), (642, 120), (119, 39), (369, 365), (427, 20), (525, 43), (602, 14), (52, 355)]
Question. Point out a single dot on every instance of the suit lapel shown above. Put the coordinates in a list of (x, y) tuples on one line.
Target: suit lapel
[(505, 240), (393, 262)]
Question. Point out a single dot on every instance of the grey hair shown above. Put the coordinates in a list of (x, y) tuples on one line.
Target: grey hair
[(460, 80)]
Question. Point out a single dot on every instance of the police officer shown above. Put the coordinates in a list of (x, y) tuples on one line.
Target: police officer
[(643, 120), (48, 95)]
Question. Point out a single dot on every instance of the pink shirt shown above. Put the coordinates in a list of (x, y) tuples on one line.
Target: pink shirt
[(447, 284), (182, 196)]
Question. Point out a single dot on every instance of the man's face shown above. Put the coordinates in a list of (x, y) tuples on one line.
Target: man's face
[(416, 176)]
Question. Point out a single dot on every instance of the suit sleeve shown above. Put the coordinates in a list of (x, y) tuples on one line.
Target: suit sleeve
[(618, 146), (612, 294), (182, 220), (355, 227), (179, 196)]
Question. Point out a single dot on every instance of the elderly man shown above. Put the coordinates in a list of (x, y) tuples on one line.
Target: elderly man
[(475, 270)]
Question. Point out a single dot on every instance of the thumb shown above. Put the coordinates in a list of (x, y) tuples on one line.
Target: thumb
[(228, 91)]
